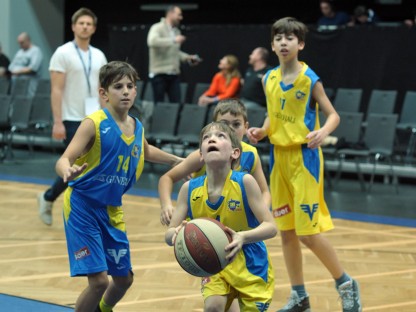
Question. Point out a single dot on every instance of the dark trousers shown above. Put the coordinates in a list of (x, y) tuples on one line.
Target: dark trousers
[(58, 187), (166, 84)]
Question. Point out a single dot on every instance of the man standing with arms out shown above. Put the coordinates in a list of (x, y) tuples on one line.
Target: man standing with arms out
[(27, 62), (74, 69), (252, 94), (165, 56)]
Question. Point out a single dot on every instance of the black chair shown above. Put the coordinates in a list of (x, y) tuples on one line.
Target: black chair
[(381, 102), (163, 123), (347, 133), (348, 100), (4, 86), (5, 112), (21, 107), (256, 116), (184, 92), (408, 121), (40, 121), (43, 87), (199, 89), (378, 140), (20, 87), (191, 121), (148, 92)]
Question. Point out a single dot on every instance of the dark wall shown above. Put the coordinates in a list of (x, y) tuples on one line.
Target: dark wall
[(365, 57)]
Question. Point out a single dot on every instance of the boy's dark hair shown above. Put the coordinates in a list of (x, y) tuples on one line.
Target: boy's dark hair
[(83, 12), (289, 25), (233, 106), (222, 126), (115, 71)]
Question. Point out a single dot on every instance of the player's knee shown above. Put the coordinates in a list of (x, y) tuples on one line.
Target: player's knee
[(308, 241), (124, 282), (288, 237), (98, 283)]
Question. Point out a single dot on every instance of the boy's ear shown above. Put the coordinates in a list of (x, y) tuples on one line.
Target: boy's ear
[(236, 153), (103, 94), (301, 45)]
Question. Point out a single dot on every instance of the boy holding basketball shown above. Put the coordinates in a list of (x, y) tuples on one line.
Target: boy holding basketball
[(104, 159), (233, 113), (233, 198), (294, 93)]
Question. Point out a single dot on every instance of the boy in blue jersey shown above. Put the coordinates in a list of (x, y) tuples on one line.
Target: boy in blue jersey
[(104, 159), (233, 113), (294, 93), (233, 198)]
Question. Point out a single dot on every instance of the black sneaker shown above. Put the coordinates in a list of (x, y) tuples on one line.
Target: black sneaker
[(349, 292), (296, 304)]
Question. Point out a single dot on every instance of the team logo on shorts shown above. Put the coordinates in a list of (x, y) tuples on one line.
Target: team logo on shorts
[(282, 211), (262, 306), (117, 255), (234, 205), (82, 253), (310, 211)]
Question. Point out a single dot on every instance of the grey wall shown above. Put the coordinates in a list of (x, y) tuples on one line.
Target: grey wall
[(42, 19)]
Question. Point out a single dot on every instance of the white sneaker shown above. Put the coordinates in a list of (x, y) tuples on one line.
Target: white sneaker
[(45, 209)]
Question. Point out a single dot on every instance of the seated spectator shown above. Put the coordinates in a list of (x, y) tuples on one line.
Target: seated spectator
[(252, 93), (4, 64), (27, 62), (411, 21), (331, 18), (364, 16), (225, 84)]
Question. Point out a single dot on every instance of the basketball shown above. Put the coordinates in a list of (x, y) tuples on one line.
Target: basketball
[(199, 247)]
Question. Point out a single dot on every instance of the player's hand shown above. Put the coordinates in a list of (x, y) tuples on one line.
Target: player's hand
[(235, 246), (316, 138), (256, 134), (166, 214), (177, 229), (58, 131), (74, 171)]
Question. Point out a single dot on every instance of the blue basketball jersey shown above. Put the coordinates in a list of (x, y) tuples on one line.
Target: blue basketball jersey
[(115, 161)]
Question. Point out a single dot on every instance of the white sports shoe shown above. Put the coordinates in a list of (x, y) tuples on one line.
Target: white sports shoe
[(45, 209)]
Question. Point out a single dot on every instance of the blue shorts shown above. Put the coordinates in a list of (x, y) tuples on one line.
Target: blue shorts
[(96, 236)]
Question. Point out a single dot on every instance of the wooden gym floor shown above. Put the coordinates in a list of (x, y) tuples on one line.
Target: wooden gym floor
[(34, 261)]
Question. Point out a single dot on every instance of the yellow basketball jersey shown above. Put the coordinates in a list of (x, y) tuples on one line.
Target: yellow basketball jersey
[(291, 113)]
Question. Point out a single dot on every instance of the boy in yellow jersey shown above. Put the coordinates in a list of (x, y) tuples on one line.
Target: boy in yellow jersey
[(294, 93), (233, 198), (104, 159), (233, 113)]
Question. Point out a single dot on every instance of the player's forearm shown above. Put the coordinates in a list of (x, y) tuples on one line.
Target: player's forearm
[(264, 231), (62, 166), (165, 191), (158, 156)]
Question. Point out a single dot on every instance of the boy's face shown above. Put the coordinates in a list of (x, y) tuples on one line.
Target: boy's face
[(216, 147), (286, 46), (120, 94), (235, 122)]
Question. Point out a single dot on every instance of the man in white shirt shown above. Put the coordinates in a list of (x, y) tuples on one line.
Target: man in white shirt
[(74, 70)]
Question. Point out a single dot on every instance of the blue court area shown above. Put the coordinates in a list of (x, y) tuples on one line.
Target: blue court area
[(18, 304)]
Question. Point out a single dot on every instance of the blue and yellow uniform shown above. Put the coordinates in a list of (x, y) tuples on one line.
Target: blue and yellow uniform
[(248, 161), (296, 178), (94, 225), (250, 277)]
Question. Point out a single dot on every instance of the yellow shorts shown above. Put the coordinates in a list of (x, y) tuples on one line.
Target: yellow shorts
[(297, 190), (254, 292)]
